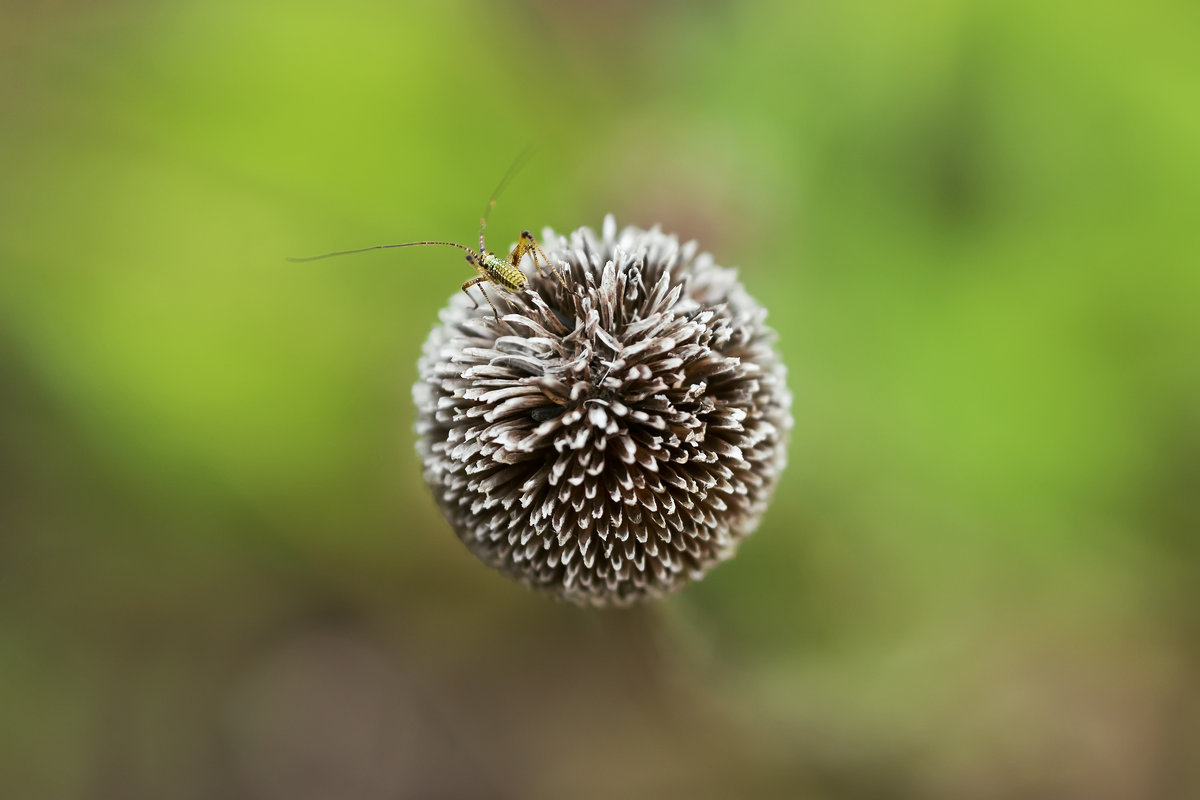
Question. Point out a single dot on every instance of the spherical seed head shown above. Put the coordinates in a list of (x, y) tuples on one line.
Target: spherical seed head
[(613, 440)]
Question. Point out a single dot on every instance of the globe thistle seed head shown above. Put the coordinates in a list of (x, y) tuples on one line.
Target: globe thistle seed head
[(611, 440)]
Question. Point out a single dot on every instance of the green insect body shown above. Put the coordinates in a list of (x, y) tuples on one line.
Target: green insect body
[(503, 274)]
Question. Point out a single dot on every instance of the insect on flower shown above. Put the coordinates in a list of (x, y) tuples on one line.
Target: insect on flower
[(613, 443), (608, 443), (489, 267)]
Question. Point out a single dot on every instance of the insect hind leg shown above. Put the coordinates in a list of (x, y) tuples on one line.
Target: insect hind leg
[(528, 244)]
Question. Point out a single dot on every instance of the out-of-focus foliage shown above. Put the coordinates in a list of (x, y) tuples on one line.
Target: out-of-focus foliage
[(975, 225)]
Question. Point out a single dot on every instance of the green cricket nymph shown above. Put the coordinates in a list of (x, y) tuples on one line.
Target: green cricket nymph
[(490, 268)]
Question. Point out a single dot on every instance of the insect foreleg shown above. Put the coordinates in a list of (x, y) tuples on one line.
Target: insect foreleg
[(479, 281)]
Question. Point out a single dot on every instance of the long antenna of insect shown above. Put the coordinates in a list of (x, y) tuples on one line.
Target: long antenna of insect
[(527, 244), (382, 247), (513, 169)]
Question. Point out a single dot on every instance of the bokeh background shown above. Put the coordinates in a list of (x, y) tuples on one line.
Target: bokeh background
[(976, 225)]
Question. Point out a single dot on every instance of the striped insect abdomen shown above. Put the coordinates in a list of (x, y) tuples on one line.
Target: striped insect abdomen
[(505, 274)]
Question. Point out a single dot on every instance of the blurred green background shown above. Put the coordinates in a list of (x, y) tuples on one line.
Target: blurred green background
[(976, 225)]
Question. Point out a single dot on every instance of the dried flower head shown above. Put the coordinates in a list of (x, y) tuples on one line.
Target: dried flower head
[(612, 440)]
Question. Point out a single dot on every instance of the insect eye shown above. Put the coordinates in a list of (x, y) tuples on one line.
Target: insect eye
[(526, 235)]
